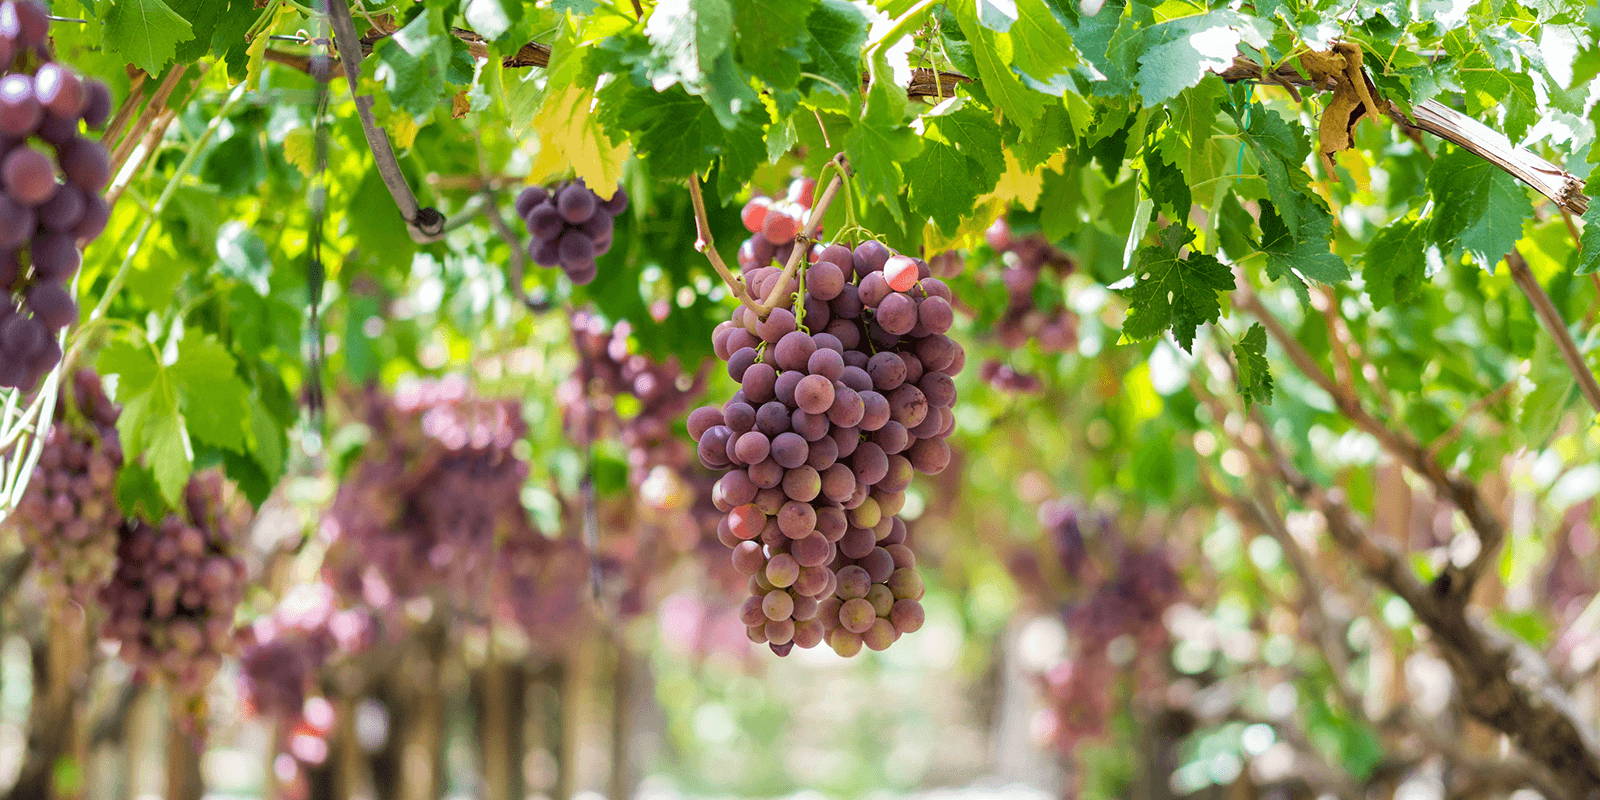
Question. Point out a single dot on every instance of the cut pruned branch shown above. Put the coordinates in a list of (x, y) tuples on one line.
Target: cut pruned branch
[(1562, 187)]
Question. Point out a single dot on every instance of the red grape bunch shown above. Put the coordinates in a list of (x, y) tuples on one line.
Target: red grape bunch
[(432, 508), (171, 601), (69, 516), (571, 226), (420, 510), (842, 398), (280, 654), (773, 223), (1121, 592), (607, 371), (51, 178), (1027, 259)]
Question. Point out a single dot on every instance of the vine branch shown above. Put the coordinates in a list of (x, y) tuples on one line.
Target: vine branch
[(424, 224), (1462, 493), (1547, 313), (1562, 187), (706, 245), (1503, 683)]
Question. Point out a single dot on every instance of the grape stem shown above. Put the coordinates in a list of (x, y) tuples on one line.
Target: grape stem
[(901, 25), (424, 224), (802, 242), (707, 246), (518, 261)]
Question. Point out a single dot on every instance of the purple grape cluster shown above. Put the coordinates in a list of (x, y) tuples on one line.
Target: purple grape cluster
[(1122, 590), (540, 586), (69, 517), (171, 600), (571, 226), (432, 508), (843, 397), (51, 178), (281, 653), (422, 507), (1007, 379), (1027, 259), (606, 371)]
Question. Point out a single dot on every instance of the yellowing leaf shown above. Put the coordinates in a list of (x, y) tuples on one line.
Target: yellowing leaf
[(299, 149), (570, 135), (256, 53), (1023, 186), (402, 129)]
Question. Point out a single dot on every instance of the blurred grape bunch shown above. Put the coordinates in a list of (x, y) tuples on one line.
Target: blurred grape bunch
[(170, 602), (69, 519), (432, 508), (607, 372), (1025, 263), (1119, 592)]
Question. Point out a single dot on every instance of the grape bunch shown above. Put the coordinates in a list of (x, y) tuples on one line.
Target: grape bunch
[(51, 178), (607, 371), (281, 654), (432, 508), (844, 395), (1027, 259), (69, 518), (421, 508), (773, 223), (171, 600), (571, 226), (1120, 592)]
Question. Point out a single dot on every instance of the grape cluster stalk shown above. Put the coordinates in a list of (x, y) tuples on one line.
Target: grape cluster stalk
[(171, 600), (69, 518), (846, 392), (571, 226), (51, 180), (432, 508)]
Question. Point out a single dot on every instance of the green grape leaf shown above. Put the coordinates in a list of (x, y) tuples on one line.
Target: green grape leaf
[(880, 141), (995, 55), (1189, 143), (1396, 264), (1255, 377), (214, 400), (963, 124), (1042, 47), (1589, 255), (491, 19), (1172, 292), (1179, 53), (772, 39), (838, 32), (1167, 186), (146, 33), (151, 426), (1305, 253), (687, 37), (1478, 209), (942, 188), (421, 63), (677, 132)]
